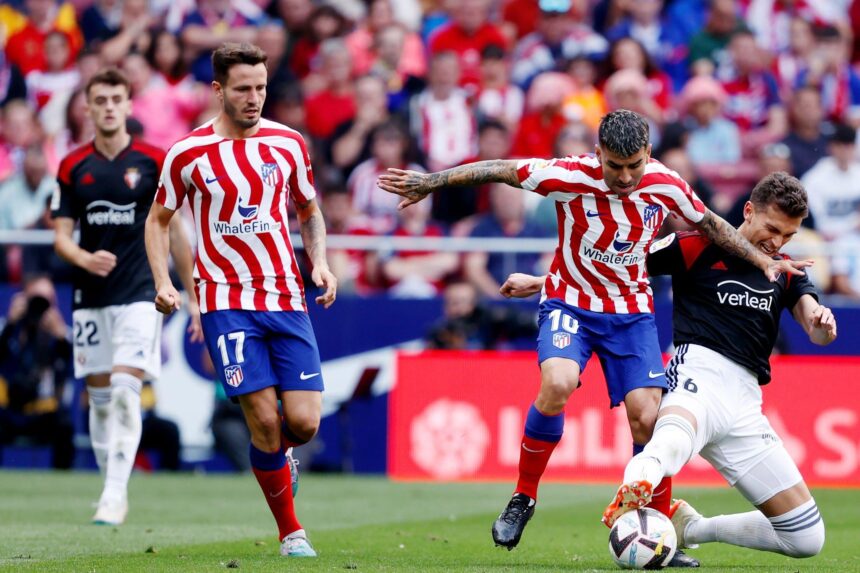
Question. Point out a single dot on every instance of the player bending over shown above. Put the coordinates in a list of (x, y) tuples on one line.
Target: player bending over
[(596, 297), (239, 172), (726, 319)]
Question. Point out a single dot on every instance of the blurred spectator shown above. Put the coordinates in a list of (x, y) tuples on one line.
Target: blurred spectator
[(210, 25), (294, 14), (42, 259), (630, 54), (442, 119), (789, 64), (18, 130), (166, 110), (35, 363), (494, 142), (363, 42), (586, 103), (833, 186), (519, 18), (287, 106), (12, 85), (771, 158), (846, 265), (324, 23), (771, 19), (350, 142), (49, 90), (544, 117), (497, 98), (830, 71), (26, 47), (417, 274), (645, 24), (712, 139), (753, 96), (335, 102), (561, 34), (506, 219), (272, 39), (100, 21), (78, 129), (628, 89), (806, 138), (23, 196), (357, 270), (389, 148), (391, 66), (708, 46), (469, 325), (467, 34), (133, 35), (679, 161)]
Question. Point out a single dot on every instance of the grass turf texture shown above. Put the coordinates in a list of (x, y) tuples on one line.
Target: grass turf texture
[(209, 523)]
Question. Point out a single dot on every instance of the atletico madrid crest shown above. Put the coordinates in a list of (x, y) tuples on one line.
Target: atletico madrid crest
[(233, 375), (132, 177), (269, 173), (561, 340), (652, 217)]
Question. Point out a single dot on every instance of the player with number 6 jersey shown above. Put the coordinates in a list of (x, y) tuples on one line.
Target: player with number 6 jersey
[(596, 298), (239, 173)]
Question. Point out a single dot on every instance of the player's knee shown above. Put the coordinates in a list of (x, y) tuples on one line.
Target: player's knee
[(642, 426), (558, 384), (300, 429), (266, 428), (804, 543)]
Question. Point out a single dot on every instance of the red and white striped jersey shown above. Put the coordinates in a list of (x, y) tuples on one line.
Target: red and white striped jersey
[(603, 238), (238, 190)]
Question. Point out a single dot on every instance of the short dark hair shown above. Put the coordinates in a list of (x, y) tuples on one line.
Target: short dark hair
[(623, 132), (783, 191), (231, 54), (110, 77)]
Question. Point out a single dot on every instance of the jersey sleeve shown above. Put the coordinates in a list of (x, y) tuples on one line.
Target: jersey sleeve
[(796, 287), (682, 201), (560, 178), (665, 257), (62, 201), (302, 176), (173, 184)]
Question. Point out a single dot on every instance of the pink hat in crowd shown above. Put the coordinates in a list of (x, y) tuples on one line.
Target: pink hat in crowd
[(701, 88), (549, 89), (624, 81)]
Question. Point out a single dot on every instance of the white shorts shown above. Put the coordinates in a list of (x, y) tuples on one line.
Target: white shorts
[(119, 335), (732, 433)]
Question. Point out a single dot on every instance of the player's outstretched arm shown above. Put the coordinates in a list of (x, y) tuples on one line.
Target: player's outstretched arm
[(312, 228), (157, 236), (99, 263), (183, 258), (521, 285), (729, 239), (414, 186), (816, 319)]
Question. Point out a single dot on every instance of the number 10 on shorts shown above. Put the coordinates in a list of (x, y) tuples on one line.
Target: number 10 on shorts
[(567, 323)]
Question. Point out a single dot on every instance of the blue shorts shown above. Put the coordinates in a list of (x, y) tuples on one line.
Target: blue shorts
[(626, 344), (252, 350)]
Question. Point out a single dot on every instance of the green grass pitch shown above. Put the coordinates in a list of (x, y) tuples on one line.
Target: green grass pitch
[(213, 523)]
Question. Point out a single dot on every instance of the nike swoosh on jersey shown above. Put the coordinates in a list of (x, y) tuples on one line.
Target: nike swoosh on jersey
[(213, 180), (654, 375), (304, 376), (528, 449), (590, 213)]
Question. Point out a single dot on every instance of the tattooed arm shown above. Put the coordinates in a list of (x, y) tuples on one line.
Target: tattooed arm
[(730, 240), (414, 186), (312, 228)]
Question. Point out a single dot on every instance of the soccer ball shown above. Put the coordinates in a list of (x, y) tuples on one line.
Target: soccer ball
[(642, 539)]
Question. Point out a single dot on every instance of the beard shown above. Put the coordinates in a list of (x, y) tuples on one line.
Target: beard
[(234, 114)]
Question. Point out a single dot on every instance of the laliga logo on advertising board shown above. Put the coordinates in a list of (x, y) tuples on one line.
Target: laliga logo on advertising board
[(449, 439)]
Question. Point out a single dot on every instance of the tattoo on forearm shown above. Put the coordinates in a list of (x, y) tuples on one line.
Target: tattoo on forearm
[(728, 238), (495, 171), (313, 237)]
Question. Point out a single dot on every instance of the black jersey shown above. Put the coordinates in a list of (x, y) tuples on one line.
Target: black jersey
[(722, 302), (111, 200)]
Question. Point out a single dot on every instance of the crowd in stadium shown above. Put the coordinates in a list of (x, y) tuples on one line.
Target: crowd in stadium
[(733, 90)]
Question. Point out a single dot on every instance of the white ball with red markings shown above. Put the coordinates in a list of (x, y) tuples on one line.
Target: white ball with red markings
[(642, 539)]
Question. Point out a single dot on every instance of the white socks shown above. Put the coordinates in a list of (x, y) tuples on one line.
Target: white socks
[(99, 411), (124, 429), (798, 533), (670, 448)]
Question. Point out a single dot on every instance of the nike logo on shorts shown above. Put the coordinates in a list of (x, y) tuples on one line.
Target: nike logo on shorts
[(528, 449), (304, 376), (654, 375)]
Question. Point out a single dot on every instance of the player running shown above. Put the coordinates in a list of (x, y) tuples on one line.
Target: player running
[(239, 172), (596, 297), (108, 186), (726, 319)]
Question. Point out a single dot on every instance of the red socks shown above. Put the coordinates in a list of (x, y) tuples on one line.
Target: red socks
[(534, 456), (278, 490), (661, 499)]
